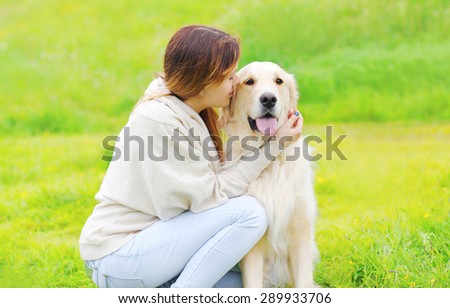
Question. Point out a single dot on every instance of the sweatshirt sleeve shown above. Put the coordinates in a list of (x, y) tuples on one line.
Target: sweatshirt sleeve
[(187, 178)]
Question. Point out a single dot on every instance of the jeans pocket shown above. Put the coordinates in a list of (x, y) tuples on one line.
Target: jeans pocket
[(117, 282)]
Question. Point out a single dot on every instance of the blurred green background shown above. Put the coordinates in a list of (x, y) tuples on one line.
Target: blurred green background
[(377, 70)]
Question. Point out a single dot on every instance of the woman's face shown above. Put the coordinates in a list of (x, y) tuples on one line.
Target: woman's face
[(219, 95)]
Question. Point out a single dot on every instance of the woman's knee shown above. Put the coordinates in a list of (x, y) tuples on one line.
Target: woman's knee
[(254, 213)]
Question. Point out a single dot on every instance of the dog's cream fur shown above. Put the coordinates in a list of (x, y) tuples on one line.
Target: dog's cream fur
[(285, 255)]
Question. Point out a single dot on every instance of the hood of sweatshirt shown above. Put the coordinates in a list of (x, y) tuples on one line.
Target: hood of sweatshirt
[(181, 112), (156, 88)]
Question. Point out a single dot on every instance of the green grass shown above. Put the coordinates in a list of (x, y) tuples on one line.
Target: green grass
[(384, 212), (378, 70), (47, 189), (79, 67)]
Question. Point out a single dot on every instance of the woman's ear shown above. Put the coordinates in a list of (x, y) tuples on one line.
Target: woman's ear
[(294, 94)]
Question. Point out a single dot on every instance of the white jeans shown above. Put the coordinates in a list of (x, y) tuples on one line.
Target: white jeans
[(192, 250)]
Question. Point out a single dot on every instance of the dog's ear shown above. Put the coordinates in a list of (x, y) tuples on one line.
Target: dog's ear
[(294, 94), (226, 113)]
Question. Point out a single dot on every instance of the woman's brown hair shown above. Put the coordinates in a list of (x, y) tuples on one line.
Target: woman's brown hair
[(198, 56)]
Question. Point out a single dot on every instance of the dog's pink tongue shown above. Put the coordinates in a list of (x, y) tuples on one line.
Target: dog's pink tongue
[(267, 126)]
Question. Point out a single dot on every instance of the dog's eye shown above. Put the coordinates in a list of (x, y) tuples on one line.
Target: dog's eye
[(249, 82), (279, 81)]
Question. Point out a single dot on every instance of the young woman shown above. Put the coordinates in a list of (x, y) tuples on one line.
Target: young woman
[(167, 215)]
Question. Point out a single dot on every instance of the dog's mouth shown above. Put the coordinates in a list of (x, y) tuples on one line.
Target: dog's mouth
[(266, 125)]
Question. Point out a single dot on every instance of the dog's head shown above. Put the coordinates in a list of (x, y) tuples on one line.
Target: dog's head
[(262, 101)]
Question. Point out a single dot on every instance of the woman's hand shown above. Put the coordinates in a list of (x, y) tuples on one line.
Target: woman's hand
[(291, 130)]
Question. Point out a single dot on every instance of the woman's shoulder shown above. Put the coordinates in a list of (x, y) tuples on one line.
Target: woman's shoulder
[(156, 110)]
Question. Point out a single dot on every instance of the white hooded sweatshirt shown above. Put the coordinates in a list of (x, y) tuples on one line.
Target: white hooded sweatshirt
[(154, 177)]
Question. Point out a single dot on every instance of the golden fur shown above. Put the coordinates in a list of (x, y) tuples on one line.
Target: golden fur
[(285, 255)]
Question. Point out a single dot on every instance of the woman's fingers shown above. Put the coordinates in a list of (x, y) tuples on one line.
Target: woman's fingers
[(290, 112), (297, 126), (293, 119), (292, 129)]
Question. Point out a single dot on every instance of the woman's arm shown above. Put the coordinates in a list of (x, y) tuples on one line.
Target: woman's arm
[(189, 179)]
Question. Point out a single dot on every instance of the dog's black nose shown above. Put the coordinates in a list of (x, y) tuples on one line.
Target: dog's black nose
[(268, 100)]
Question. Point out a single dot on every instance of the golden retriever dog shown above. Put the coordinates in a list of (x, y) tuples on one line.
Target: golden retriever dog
[(285, 255)]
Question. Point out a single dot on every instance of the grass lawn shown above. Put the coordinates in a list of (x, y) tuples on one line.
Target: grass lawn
[(79, 67), (71, 72), (384, 212)]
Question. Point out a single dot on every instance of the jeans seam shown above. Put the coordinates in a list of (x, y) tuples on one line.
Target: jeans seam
[(212, 248)]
